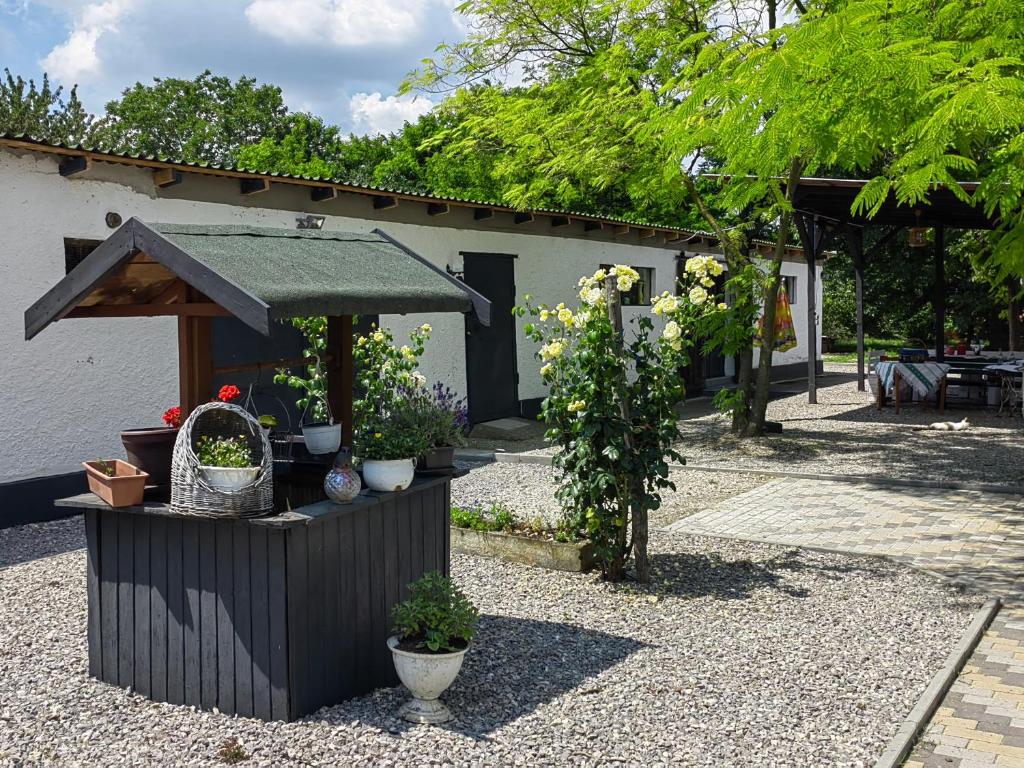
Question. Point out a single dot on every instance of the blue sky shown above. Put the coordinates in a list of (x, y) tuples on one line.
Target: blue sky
[(342, 59)]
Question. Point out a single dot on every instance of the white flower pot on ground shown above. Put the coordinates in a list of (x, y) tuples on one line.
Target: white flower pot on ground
[(384, 476), (322, 438), (427, 676), (229, 478)]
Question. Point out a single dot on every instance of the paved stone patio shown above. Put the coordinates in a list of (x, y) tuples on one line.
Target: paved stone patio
[(975, 539)]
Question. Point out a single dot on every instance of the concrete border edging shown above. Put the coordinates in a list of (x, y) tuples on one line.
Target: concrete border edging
[(906, 735), (894, 482)]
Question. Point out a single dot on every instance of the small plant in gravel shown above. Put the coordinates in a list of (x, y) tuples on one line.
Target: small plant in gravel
[(231, 752), (497, 518), (612, 394), (437, 617)]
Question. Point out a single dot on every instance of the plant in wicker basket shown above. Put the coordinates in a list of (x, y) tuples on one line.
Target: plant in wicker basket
[(223, 465)]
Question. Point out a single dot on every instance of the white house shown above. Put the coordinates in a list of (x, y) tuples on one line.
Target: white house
[(67, 394)]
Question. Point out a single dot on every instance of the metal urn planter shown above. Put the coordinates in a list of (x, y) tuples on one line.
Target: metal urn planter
[(427, 676)]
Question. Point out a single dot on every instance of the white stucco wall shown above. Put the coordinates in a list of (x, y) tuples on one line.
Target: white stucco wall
[(68, 393)]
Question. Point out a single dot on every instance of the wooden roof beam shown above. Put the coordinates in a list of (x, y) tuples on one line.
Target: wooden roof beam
[(167, 177), (384, 202), (620, 229), (253, 186), (72, 165), (523, 217), (592, 226), (322, 194), (647, 233), (438, 209)]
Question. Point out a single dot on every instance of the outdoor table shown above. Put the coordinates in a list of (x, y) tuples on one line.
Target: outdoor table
[(1008, 373), (269, 617), (924, 378)]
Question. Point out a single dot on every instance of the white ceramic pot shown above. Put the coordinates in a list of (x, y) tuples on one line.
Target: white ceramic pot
[(395, 475), (322, 438), (229, 478), (427, 676)]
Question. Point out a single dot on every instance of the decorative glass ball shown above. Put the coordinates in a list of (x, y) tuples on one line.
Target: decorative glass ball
[(342, 483)]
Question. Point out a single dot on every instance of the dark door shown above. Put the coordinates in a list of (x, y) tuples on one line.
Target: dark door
[(491, 376)]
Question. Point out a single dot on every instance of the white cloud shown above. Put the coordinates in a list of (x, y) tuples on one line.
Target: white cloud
[(78, 56), (343, 23), (372, 113)]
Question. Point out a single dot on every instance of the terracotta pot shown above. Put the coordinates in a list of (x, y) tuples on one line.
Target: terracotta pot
[(442, 457), (150, 450), (124, 489)]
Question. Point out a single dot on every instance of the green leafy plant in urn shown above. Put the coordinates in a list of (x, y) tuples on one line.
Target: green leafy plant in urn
[(342, 483)]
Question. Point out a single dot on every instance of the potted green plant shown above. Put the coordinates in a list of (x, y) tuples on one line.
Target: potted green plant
[(443, 419), (322, 435), (117, 482), (433, 630), (226, 462), (267, 423), (388, 446)]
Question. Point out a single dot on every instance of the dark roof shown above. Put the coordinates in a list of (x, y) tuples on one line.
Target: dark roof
[(684, 236), (833, 199), (259, 274)]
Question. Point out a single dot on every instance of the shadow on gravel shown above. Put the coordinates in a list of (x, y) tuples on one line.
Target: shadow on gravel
[(515, 666), (24, 543)]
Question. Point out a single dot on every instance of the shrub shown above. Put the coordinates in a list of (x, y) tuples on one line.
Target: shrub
[(437, 616), (390, 437)]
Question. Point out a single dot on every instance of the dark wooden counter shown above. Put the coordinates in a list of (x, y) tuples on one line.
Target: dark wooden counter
[(270, 617)]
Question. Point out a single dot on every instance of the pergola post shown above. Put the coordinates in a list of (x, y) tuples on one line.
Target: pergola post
[(340, 373), (855, 242), (939, 296), (195, 363), (812, 236)]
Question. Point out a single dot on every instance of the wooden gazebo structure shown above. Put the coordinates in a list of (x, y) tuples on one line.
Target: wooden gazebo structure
[(824, 210), (270, 617)]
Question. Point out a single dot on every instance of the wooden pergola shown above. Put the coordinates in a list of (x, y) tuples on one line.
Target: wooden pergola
[(824, 211)]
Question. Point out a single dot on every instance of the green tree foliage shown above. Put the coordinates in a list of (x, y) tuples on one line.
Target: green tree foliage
[(41, 111), (206, 119)]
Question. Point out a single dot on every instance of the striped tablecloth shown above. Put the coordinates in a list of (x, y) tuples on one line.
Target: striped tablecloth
[(924, 378)]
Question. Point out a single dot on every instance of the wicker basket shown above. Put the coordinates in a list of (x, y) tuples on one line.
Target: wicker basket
[(191, 495)]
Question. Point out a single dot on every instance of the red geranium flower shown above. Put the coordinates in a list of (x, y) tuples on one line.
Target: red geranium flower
[(228, 393), (172, 417)]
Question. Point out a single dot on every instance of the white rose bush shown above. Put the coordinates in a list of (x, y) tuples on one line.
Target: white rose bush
[(612, 395)]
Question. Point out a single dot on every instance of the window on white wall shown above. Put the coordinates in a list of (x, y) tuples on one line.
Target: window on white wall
[(789, 283), (640, 294)]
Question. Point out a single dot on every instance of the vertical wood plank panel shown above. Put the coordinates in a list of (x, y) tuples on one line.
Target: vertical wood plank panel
[(297, 558), (334, 628), (225, 626), (347, 595), (242, 620), (378, 593), (416, 536), (362, 625), (176, 614), (445, 492), (141, 587), (207, 615), (277, 585), (192, 614), (158, 598), (392, 583), (125, 599), (430, 559), (259, 588), (316, 625), (93, 588)]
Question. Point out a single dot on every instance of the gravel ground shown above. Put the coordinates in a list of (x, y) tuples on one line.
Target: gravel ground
[(529, 490), (845, 434), (741, 654)]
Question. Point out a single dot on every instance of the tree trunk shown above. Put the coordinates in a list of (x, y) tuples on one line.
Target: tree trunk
[(630, 511), (744, 385), (771, 295)]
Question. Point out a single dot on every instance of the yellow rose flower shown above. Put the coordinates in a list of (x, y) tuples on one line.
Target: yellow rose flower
[(426, 328), (544, 315), (576, 406), (565, 316), (378, 435), (546, 369), (378, 336)]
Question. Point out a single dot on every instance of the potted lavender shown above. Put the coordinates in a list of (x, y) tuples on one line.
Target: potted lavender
[(443, 420)]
